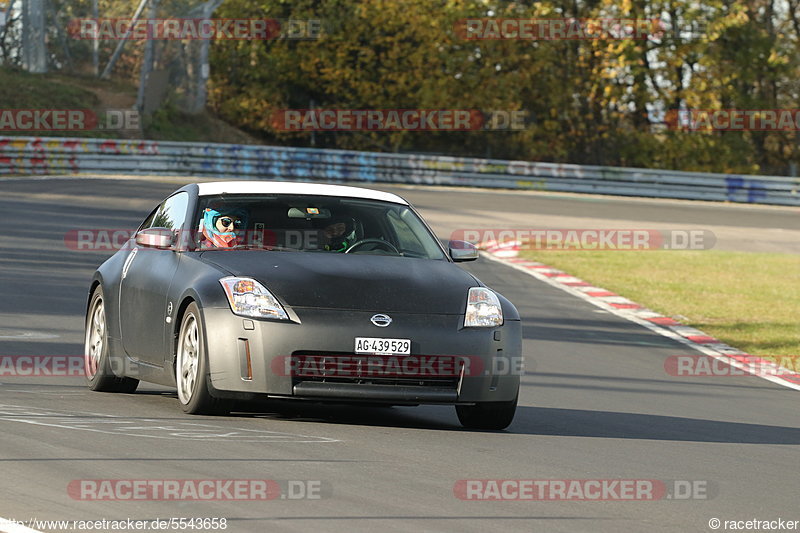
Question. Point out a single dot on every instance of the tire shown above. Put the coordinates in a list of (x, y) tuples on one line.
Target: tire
[(191, 368), (487, 415), (99, 376)]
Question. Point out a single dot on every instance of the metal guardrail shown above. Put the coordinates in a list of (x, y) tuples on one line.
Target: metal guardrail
[(37, 155)]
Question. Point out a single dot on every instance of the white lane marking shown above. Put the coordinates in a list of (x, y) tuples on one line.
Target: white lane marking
[(661, 330), (40, 393), (30, 178), (27, 335), (11, 526), (614, 299), (147, 427)]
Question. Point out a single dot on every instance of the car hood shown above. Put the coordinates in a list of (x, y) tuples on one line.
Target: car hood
[(352, 281)]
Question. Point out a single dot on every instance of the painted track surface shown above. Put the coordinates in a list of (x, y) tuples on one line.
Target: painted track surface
[(596, 402)]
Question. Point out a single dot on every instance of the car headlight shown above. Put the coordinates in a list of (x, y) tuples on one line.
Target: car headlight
[(483, 309), (247, 297)]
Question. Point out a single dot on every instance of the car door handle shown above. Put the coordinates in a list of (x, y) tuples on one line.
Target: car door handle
[(128, 262)]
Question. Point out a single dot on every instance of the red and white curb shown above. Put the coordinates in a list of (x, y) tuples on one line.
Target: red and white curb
[(507, 253)]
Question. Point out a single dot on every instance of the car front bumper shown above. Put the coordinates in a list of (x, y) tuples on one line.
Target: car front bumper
[(252, 357)]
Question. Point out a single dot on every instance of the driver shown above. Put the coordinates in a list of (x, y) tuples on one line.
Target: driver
[(340, 234), (223, 227)]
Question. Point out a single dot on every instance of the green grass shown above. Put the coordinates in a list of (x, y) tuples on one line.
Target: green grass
[(22, 90), (748, 300), (170, 124)]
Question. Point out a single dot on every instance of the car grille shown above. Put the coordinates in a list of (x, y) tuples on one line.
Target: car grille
[(401, 370)]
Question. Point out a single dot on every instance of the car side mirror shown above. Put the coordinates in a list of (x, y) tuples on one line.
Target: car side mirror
[(462, 251), (161, 238)]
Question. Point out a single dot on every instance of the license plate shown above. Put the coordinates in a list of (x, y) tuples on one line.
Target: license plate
[(374, 345)]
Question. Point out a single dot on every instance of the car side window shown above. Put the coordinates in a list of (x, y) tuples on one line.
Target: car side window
[(172, 213), (148, 222)]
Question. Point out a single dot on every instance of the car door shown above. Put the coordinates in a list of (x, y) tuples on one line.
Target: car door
[(146, 279)]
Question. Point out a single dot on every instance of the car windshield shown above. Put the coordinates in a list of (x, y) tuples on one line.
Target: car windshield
[(313, 224)]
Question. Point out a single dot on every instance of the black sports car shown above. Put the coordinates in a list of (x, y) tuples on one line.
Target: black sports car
[(239, 290)]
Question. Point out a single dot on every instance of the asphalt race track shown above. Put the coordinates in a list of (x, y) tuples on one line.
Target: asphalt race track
[(596, 402)]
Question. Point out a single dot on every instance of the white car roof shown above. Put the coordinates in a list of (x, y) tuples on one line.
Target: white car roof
[(288, 187)]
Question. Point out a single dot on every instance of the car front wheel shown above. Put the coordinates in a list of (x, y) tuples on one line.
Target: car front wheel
[(487, 415), (99, 375), (191, 368)]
